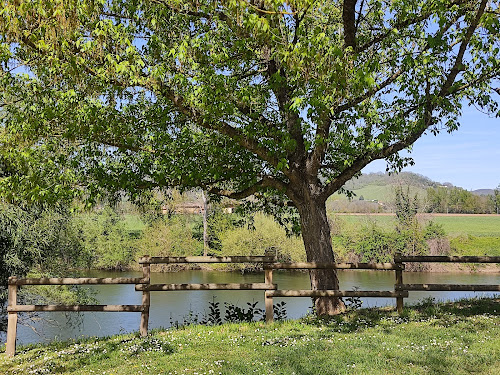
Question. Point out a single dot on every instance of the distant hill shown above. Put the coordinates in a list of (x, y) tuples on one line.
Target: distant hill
[(380, 186), (384, 179), (375, 192), (482, 192)]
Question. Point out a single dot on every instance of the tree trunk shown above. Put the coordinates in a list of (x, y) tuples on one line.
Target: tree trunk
[(318, 246)]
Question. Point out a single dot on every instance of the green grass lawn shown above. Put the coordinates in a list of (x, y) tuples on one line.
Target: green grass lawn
[(458, 338)]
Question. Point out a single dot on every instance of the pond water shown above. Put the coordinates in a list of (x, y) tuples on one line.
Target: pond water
[(169, 307)]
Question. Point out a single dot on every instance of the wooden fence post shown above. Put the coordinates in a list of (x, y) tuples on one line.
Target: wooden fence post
[(399, 281), (10, 348), (269, 300), (146, 300)]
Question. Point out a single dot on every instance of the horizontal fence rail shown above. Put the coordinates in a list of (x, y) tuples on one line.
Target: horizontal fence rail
[(269, 264), (450, 287), (177, 287), (335, 293), (78, 281), (445, 259), (228, 259), (104, 308), (338, 266)]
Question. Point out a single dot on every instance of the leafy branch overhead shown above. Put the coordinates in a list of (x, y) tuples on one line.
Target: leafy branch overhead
[(241, 96)]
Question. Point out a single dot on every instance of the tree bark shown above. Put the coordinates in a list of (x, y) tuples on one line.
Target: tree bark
[(318, 246)]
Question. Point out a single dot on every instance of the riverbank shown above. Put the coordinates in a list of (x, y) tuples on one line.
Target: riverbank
[(452, 338), (240, 267)]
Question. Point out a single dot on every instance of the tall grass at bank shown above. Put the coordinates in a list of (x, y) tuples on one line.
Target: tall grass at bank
[(453, 338)]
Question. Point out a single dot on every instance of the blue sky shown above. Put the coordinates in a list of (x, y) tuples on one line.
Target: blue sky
[(468, 157)]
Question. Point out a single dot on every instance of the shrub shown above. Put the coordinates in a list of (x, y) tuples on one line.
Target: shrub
[(169, 237), (106, 239), (265, 236), (368, 242)]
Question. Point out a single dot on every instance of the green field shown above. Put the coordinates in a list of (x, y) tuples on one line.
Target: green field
[(468, 234), (480, 226), (454, 338), (454, 225)]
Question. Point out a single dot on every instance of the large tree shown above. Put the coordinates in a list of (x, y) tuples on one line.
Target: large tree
[(283, 100)]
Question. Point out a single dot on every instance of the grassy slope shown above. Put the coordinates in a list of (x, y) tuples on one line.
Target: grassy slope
[(384, 193), (460, 338)]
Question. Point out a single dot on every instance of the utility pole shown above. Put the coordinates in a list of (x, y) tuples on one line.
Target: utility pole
[(205, 224)]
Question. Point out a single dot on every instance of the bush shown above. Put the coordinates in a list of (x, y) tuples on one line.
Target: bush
[(368, 242), (36, 237), (106, 240), (267, 237), (433, 230), (169, 237), (40, 241)]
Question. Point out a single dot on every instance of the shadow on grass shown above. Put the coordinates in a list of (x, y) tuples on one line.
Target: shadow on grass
[(443, 313)]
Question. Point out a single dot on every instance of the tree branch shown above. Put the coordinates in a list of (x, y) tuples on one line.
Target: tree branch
[(320, 146), (349, 20), (223, 127), (266, 182), (292, 119), (403, 24), (458, 65), (259, 117), (365, 159), (355, 101)]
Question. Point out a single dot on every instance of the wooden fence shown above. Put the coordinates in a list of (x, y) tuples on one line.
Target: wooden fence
[(269, 294), (400, 259), (271, 290), (13, 308)]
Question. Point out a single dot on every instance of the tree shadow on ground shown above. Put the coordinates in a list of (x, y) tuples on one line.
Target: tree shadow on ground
[(443, 313)]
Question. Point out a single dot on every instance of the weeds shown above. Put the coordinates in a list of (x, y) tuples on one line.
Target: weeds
[(231, 314), (353, 303)]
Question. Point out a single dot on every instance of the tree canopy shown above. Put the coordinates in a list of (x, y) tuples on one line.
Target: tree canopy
[(288, 99), (238, 95)]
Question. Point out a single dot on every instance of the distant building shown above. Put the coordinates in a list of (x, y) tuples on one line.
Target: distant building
[(193, 208)]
